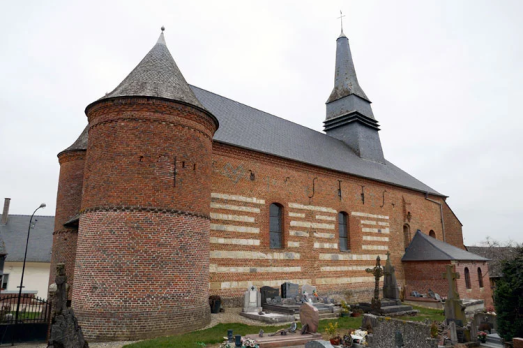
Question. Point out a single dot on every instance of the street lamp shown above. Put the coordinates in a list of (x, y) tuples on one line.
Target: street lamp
[(23, 267)]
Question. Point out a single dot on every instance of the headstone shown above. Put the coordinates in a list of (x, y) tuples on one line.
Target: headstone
[(453, 305), (453, 332), (65, 331), (252, 300), (268, 292), (473, 332), (289, 290), (309, 316), (437, 297), (311, 290), (390, 285), (318, 344), (377, 271), (431, 294)]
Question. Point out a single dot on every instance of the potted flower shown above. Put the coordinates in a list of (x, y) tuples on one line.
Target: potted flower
[(482, 336), (344, 309), (249, 343), (215, 302), (332, 331), (357, 312)]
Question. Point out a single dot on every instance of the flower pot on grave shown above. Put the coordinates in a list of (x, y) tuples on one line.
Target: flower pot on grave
[(355, 314), (335, 341), (344, 314)]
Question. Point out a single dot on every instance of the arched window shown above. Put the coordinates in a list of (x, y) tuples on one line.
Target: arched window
[(480, 277), (276, 226), (343, 220), (432, 234), (406, 235), (467, 278)]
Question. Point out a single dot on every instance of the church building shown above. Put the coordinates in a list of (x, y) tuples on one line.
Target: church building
[(173, 193)]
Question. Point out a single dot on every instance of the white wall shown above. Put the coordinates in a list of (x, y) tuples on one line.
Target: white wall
[(36, 277)]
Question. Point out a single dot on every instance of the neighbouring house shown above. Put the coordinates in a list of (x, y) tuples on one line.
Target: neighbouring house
[(13, 233), (425, 261)]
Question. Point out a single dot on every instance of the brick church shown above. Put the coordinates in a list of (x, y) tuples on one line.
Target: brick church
[(173, 193)]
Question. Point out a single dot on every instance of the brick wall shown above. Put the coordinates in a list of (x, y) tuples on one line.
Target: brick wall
[(475, 291), (68, 203), (240, 247), (142, 264)]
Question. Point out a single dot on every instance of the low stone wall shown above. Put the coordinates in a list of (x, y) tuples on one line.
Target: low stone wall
[(415, 334)]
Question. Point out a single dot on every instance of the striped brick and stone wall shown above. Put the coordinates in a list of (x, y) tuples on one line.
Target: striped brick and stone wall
[(245, 183)]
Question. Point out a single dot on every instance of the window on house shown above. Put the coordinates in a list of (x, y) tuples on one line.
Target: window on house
[(275, 226), (480, 277), (5, 280), (343, 231), (432, 234), (467, 278)]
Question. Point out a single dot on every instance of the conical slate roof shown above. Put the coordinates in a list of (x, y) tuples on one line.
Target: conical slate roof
[(157, 75), (426, 248), (80, 144), (345, 79)]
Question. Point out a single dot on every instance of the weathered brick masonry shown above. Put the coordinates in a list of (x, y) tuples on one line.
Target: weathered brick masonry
[(69, 198), (142, 264), (240, 250)]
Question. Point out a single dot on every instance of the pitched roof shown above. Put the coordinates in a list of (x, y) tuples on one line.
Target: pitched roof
[(14, 235), (495, 256), (250, 128), (426, 248), (157, 75)]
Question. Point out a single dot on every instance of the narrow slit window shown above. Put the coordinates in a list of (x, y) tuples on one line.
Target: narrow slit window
[(467, 278), (275, 226), (343, 231), (480, 277)]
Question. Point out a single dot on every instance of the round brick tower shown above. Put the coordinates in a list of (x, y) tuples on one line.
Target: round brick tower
[(68, 203), (142, 261)]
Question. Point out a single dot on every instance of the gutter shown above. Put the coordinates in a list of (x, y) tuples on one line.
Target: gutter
[(440, 213)]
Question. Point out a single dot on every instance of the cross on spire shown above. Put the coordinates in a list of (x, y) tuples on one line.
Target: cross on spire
[(341, 19)]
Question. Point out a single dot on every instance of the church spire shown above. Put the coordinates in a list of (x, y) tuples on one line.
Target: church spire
[(349, 113)]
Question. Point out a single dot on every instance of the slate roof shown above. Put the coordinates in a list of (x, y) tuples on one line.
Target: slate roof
[(496, 255), (157, 75), (80, 143), (426, 248), (14, 235)]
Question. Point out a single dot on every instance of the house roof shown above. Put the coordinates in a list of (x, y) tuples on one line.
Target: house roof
[(14, 235), (495, 256), (426, 248)]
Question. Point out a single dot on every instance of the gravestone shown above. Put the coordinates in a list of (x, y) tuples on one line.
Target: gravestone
[(268, 292), (453, 306), (377, 272), (390, 285), (309, 316), (318, 344), (453, 332), (252, 300), (289, 290), (309, 289), (65, 332)]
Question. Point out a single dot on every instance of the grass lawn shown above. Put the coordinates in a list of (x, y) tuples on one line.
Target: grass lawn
[(215, 334)]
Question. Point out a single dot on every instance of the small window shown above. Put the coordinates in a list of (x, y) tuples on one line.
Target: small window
[(432, 234), (343, 231), (467, 278), (480, 277), (275, 226), (5, 280)]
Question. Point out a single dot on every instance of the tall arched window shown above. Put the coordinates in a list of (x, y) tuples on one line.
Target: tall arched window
[(276, 226), (406, 235), (480, 277), (432, 234), (467, 278), (343, 220)]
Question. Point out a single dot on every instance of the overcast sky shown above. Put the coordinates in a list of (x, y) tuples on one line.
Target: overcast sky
[(445, 79)]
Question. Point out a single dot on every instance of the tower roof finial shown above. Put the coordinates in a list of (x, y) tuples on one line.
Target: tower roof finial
[(341, 19), (163, 28)]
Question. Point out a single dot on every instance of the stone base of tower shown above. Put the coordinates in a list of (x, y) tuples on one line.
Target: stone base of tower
[(141, 273)]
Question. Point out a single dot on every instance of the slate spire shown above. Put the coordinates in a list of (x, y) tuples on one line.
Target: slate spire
[(349, 113), (157, 75)]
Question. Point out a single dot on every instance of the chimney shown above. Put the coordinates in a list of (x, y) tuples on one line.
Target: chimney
[(5, 213)]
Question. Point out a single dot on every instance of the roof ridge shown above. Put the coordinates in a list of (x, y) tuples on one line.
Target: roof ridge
[(265, 112)]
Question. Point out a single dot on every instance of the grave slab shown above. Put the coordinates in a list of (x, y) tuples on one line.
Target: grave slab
[(269, 317), (289, 340)]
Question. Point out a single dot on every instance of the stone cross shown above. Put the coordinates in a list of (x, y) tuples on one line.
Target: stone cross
[(451, 277), (377, 271), (390, 285), (341, 18), (252, 300)]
